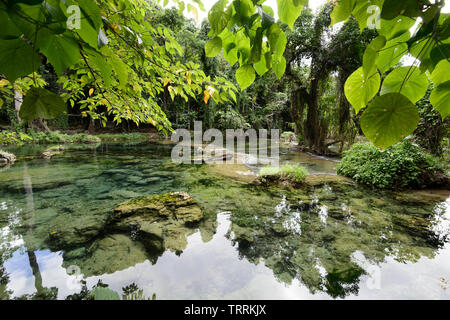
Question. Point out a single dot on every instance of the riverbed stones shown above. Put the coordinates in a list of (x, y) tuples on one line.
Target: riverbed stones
[(159, 221)]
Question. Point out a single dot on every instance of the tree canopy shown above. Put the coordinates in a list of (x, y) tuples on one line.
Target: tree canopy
[(118, 58)]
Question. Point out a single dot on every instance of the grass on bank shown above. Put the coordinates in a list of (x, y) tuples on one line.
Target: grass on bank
[(295, 174)]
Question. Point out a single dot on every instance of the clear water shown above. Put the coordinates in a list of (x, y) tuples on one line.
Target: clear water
[(321, 243)]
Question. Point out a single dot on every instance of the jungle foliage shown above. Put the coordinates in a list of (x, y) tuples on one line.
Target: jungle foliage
[(125, 61), (403, 165)]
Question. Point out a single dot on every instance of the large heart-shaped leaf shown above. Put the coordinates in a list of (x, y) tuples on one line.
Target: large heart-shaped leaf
[(409, 81), (245, 76), (440, 99), (17, 59), (289, 10), (360, 89), (388, 119), (41, 103), (61, 51), (441, 73)]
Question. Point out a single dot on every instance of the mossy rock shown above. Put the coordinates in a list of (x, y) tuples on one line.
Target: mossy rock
[(176, 205), (311, 181)]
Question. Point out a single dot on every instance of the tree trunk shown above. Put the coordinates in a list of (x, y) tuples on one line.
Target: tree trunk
[(297, 109), (18, 99), (91, 128), (313, 131)]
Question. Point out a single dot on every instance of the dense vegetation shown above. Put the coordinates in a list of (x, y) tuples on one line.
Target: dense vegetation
[(404, 165), (133, 65)]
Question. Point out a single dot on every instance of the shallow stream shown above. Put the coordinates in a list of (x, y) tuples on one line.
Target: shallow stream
[(330, 241)]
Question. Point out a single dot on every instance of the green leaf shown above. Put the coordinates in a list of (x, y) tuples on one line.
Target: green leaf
[(92, 12), (218, 17), (393, 8), (86, 30), (279, 67), (289, 11), (371, 55), (121, 69), (8, 30), (365, 10), (392, 53), (342, 11), (441, 73), (213, 47), (261, 66), (256, 52), (99, 63), (396, 27), (389, 119), (360, 89), (231, 56), (280, 45), (440, 99), (408, 81), (61, 51), (266, 14), (17, 59), (245, 76), (101, 293), (41, 103), (440, 52)]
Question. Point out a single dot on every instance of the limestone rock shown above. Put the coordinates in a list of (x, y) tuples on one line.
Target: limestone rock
[(6, 158)]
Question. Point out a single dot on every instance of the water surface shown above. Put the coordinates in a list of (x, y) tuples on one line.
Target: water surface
[(326, 242)]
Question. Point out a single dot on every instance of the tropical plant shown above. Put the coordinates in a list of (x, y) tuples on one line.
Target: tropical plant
[(404, 165)]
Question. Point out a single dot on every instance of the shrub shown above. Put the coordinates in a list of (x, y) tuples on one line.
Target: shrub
[(11, 137), (288, 172), (403, 165)]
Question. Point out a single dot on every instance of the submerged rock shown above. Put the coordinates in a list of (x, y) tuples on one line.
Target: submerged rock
[(6, 158), (137, 230), (237, 172), (311, 181), (107, 255), (160, 222), (69, 231)]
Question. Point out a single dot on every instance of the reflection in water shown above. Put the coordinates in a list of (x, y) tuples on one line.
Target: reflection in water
[(327, 241)]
